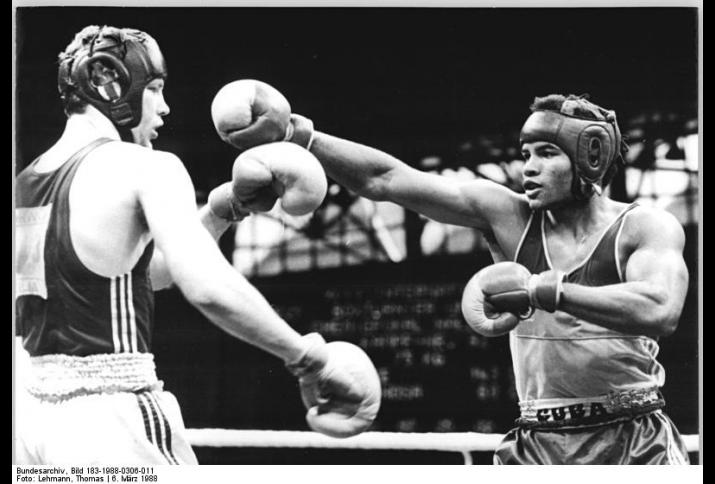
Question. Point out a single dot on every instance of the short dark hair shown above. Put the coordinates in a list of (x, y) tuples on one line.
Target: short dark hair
[(585, 109)]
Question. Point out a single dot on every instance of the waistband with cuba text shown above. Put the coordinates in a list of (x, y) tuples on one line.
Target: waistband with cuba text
[(562, 412)]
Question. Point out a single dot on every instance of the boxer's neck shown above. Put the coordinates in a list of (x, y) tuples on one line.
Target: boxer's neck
[(80, 130), (581, 218), (88, 126)]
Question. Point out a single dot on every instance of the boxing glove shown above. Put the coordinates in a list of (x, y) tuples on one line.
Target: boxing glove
[(285, 171), (480, 317), (502, 294), (248, 113), (339, 386)]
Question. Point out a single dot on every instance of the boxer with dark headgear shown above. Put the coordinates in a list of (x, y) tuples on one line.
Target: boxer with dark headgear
[(584, 285), (587, 133), (102, 221), (111, 72)]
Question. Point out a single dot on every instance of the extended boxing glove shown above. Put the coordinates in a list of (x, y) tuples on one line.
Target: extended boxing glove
[(285, 171), (248, 113), (339, 386)]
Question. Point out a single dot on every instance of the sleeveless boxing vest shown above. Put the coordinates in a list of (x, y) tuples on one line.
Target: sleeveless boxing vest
[(61, 306), (556, 355)]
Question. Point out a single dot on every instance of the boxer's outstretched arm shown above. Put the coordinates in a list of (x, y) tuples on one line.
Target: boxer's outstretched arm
[(340, 392), (652, 298), (207, 280), (377, 175)]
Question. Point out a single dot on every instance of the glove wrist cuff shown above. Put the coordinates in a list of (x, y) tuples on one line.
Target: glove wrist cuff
[(545, 290), (238, 211), (223, 197), (313, 358), (300, 131)]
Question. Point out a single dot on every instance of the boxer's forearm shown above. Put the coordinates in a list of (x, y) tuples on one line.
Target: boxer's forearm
[(229, 301), (359, 168), (639, 308), (223, 295)]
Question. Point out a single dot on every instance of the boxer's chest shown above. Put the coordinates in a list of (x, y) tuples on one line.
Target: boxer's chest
[(567, 252)]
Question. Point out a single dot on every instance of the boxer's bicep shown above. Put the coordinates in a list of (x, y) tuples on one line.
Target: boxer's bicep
[(167, 199), (658, 262)]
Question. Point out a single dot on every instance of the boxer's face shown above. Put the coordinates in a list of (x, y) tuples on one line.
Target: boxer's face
[(547, 174), (154, 108)]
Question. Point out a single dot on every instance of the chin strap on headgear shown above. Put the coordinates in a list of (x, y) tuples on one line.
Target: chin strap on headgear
[(591, 144), (112, 72)]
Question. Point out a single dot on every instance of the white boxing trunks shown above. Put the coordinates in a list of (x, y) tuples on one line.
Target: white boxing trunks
[(98, 409)]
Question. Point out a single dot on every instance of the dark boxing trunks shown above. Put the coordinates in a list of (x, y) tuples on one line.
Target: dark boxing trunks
[(620, 428)]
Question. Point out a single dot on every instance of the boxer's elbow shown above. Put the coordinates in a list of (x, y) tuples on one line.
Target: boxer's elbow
[(375, 188), (665, 321), (217, 293), (211, 303), (383, 185), (644, 309), (201, 291), (201, 297), (160, 279), (662, 319)]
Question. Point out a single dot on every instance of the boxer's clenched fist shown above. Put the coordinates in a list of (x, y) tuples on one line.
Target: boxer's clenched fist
[(339, 386), (278, 171), (248, 113), (502, 294)]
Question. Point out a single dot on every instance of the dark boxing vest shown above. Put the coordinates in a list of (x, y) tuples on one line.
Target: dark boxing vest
[(557, 355), (61, 306)]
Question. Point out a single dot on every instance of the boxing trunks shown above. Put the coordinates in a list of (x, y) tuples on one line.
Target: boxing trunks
[(98, 409), (622, 428)]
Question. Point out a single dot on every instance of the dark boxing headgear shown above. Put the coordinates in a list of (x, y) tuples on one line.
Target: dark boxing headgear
[(591, 144), (112, 72)]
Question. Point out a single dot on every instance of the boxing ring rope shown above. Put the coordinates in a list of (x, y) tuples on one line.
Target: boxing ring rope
[(462, 442)]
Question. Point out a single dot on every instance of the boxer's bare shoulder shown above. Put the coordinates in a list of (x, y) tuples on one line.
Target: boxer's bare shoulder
[(653, 225)]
